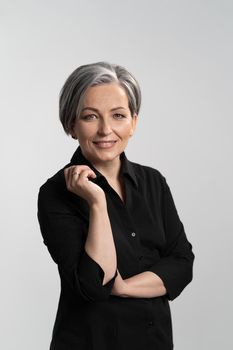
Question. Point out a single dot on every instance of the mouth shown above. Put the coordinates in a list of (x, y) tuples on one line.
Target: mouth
[(110, 141), (105, 144)]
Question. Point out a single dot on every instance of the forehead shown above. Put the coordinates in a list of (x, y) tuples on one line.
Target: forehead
[(106, 94)]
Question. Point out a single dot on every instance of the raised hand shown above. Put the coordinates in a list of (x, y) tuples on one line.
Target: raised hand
[(78, 181)]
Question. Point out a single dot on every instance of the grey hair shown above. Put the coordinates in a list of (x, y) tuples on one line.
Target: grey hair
[(73, 91)]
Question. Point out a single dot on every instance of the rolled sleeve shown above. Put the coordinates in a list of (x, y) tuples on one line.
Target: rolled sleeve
[(91, 277), (175, 267)]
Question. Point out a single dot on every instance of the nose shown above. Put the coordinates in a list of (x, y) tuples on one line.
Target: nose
[(104, 127)]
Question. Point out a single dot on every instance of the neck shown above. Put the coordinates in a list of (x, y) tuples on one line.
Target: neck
[(110, 169)]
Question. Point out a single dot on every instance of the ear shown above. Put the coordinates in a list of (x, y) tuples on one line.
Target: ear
[(72, 132), (134, 123)]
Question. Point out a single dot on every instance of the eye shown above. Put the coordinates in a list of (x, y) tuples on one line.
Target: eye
[(88, 117), (119, 116)]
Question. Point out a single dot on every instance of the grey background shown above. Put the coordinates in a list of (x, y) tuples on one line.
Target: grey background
[(181, 53)]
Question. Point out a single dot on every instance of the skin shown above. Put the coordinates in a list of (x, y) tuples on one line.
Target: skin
[(106, 116), (105, 125)]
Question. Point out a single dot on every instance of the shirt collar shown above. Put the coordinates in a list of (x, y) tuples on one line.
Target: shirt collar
[(126, 165)]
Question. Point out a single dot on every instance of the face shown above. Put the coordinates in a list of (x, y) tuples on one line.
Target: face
[(105, 116)]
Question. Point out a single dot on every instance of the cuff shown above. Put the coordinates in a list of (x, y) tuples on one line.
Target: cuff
[(91, 277)]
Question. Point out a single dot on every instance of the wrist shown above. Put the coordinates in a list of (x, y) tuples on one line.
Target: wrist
[(125, 293), (98, 204)]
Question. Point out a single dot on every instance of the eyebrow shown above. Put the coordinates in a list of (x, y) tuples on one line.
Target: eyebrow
[(96, 110)]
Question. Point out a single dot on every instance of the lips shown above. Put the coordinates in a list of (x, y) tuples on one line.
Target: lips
[(105, 144), (104, 141), (111, 141)]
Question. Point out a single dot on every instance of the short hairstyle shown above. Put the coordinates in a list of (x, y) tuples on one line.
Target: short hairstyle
[(99, 73)]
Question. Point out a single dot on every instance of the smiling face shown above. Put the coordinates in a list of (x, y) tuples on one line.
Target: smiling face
[(105, 116)]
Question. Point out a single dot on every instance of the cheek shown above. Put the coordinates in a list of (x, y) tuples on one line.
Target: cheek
[(85, 131), (124, 129)]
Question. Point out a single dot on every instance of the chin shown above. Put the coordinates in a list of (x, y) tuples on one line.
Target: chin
[(107, 156)]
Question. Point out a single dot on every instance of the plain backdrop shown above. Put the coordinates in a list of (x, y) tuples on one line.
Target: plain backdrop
[(181, 53)]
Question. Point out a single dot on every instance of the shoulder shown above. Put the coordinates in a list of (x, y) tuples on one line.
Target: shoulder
[(53, 190), (56, 180), (152, 183), (54, 198), (148, 174)]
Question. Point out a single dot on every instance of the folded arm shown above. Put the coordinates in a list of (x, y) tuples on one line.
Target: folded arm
[(174, 271), (142, 285)]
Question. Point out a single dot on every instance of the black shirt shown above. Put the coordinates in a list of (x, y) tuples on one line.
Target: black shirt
[(148, 236)]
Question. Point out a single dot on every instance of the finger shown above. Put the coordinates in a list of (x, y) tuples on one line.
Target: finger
[(65, 174), (74, 177), (76, 172), (69, 176), (75, 169), (83, 176), (79, 168)]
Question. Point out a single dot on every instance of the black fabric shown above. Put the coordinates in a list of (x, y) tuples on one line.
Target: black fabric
[(88, 316)]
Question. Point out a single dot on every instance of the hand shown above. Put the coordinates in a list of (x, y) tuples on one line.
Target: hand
[(119, 287), (76, 177)]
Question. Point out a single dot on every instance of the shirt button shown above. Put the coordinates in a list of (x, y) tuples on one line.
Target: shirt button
[(140, 257), (133, 234), (150, 323)]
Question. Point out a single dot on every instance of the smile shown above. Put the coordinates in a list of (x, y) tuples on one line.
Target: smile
[(105, 144)]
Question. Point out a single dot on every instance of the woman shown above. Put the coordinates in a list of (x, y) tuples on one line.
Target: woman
[(110, 224)]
